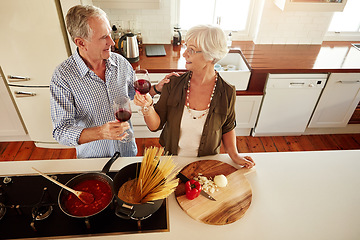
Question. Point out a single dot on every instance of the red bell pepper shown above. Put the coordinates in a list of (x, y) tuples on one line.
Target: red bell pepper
[(193, 189)]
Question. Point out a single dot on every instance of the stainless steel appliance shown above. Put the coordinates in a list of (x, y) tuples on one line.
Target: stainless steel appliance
[(129, 48)]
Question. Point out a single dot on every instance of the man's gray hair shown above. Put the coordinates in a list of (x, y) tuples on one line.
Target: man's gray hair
[(211, 39), (77, 20)]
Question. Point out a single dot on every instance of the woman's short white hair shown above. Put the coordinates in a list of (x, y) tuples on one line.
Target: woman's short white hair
[(210, 39)]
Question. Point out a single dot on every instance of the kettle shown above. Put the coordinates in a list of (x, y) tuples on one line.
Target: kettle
[(129, 48), (177, 36)]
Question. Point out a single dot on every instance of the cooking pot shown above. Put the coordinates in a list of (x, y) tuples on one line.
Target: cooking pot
[(129, 48), (129, 210), (88, 176)]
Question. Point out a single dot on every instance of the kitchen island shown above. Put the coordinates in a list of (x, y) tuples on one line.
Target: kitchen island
[(295, 195)]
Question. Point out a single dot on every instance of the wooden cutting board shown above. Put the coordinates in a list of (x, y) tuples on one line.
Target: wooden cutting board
[(231, 202)]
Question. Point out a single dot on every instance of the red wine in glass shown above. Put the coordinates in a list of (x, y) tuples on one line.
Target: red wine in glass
[(123, 115), (122, 112), (142, 86)]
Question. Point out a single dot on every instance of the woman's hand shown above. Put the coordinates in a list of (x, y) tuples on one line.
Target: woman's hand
[(143, 100), (246, 161)]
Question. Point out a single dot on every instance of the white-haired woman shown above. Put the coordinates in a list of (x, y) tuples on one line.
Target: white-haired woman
[(196, 110)]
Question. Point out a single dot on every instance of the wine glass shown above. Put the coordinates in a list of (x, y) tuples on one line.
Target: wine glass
[(142, 85), (122, 111)]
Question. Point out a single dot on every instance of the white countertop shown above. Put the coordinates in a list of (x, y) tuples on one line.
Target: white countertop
[(296, 195)]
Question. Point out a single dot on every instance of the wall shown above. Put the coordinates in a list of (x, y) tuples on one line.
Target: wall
[(293, 27), (155, 25), (274, 26)]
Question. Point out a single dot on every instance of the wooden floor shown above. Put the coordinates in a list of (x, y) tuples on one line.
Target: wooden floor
[(19, 151)]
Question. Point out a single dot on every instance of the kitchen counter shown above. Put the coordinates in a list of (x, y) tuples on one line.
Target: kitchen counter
[(296, 195), (330, 56), (266, 58)]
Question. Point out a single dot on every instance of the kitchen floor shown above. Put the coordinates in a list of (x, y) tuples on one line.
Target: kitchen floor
[(20, 151)]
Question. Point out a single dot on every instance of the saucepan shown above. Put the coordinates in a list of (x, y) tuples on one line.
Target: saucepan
[(99, 184), (128, 210)]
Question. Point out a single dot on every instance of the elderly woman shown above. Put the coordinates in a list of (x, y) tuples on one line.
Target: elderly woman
[(196, 110)]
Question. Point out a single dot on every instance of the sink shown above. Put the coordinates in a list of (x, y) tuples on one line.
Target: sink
[(234, 69), (356, 45)]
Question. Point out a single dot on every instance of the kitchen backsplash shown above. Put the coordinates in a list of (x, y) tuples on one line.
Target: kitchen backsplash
[(275, 26), (293, 27), (155, 25)]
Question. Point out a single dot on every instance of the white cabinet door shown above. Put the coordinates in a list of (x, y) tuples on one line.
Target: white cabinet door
[(32, 43), (34, 105), (247, 109), (338, 101), (11, 125)]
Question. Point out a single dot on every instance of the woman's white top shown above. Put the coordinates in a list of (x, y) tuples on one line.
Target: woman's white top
[(191, 128)]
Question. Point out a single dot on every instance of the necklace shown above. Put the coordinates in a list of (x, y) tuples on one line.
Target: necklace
[(188, 96)]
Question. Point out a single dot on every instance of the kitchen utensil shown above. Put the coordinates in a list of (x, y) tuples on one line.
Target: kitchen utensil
[(85, 197), (231, 202), (88, 176), (129, 210), (129, 48), (184, 179)]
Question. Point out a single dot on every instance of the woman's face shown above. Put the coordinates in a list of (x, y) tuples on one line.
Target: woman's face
[(194, 57)]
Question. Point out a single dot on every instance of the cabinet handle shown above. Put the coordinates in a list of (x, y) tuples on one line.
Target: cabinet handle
[(17, 78), (24, 94), (349, 82)]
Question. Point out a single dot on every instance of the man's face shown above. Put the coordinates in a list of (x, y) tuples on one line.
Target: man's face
[(98, 47)]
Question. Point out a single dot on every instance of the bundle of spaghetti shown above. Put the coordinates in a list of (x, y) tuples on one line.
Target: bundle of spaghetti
[(157, 178)]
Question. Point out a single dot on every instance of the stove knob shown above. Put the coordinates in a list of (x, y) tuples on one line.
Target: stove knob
[(7, 180)]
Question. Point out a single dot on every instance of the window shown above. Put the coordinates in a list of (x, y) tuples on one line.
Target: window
[(345, 25), (231, 15)]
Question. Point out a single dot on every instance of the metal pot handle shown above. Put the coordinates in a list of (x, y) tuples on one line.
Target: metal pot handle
[(125, 211), (107, 166)]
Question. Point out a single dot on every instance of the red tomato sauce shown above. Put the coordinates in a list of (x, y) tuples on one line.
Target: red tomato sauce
[(102, 195)]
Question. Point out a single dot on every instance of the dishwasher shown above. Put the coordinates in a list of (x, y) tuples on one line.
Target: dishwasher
[(288, 103)]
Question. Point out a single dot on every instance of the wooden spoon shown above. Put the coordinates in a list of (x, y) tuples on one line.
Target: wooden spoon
[(85, 197)]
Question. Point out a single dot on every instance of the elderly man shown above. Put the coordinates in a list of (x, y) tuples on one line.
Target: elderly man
[(83, 88)]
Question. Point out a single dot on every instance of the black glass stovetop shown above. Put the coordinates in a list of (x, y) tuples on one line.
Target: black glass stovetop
[(25, 192)]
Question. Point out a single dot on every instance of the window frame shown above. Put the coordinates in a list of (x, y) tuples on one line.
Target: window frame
[(342, 35), (250, 29)]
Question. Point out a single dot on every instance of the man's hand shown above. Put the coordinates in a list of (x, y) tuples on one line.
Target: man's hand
[(114, 130), (160, 85)]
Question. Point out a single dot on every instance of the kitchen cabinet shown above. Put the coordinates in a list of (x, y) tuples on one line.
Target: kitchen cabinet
[(247, 109), (311, 5), (11, 122), (127, 4), (338, 101), (32, 45)]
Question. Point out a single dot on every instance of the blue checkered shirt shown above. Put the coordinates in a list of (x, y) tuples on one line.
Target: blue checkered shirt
[(80, 99)]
